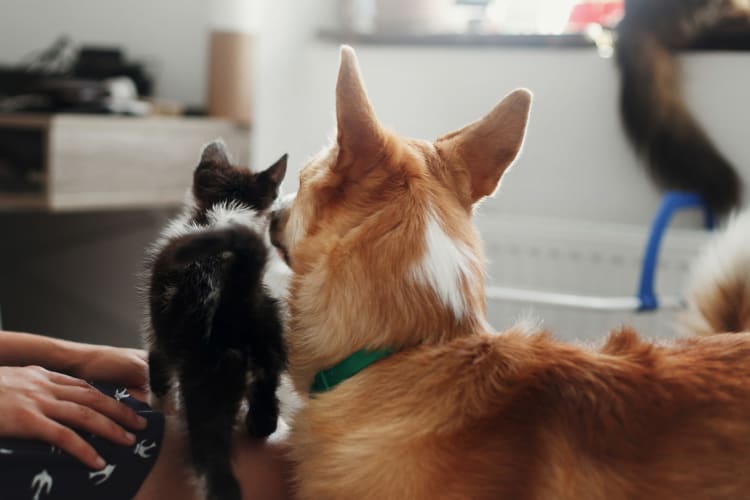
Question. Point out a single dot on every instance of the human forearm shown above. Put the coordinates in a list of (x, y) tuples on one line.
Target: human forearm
[(86, 361), (21, 349)]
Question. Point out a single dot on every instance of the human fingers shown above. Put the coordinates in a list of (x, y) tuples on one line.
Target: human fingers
[(88, 420), (90, 397), (47, 429), (61, 378)]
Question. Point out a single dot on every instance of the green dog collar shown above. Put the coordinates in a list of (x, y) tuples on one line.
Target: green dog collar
[(347, 368)]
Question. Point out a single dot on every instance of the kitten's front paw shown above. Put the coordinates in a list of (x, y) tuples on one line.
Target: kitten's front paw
[(261, 424)]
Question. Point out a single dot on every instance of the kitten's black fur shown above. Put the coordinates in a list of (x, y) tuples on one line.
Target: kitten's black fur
[(677, 151), (212, 320)]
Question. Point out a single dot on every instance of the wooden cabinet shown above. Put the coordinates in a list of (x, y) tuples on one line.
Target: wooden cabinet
[(94, 162)]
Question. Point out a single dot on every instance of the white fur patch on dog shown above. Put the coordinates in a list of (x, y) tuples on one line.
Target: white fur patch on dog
[(721, 273), (727, 254), (445, 266)]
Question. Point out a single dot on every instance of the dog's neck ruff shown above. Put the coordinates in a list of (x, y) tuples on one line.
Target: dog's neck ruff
[(326, 380)]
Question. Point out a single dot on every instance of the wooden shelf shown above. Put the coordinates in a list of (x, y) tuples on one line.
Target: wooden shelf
[(22, 202), (568, 40), (95, 162)]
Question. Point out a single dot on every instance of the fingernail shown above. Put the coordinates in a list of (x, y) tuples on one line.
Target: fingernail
[(100, 463), (142, 422), (130, 437)]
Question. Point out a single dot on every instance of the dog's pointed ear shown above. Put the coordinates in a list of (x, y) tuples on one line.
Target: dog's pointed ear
[(359, 134), (487, 147)]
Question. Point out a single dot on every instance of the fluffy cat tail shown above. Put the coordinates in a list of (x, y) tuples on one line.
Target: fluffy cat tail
[(677, 151), (719, 290)]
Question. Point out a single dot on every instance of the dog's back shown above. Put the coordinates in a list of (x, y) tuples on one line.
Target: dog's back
[(521, 416)]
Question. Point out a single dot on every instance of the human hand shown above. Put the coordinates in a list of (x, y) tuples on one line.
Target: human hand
[(116, 365), (36, 403)]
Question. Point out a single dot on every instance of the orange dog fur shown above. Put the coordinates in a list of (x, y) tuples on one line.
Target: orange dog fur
[(385, 255)]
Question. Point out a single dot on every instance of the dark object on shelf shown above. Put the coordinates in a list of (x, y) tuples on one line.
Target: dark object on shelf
[(73, 93), (33, 92), (17, 81), (60, 79), (95, 63)]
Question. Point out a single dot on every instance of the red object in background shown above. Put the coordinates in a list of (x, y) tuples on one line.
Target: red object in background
[(603, 12)]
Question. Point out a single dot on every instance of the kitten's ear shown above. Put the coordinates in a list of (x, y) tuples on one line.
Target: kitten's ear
[(215, 153), (276, 172), (211, 175)]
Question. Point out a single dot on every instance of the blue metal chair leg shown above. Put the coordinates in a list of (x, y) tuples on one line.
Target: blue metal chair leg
[(672, 202)]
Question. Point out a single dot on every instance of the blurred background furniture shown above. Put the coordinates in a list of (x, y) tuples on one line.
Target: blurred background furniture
[(81, 199), (65, 162)]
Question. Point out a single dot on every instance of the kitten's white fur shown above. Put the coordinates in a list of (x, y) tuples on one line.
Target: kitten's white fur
[(277, 273)]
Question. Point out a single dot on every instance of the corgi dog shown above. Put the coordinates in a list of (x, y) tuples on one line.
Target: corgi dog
[(411, 396)]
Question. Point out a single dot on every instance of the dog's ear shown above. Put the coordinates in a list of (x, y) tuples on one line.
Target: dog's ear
[(359, 134), (487, 147)]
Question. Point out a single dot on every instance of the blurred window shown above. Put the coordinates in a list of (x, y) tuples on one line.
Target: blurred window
[(528, 17), (545, 16)]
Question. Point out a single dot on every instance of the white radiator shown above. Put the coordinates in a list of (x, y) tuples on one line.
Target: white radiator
[(593, 259)]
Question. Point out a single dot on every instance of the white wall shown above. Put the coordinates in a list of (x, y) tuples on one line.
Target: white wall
[(576, 163), (170, 35)]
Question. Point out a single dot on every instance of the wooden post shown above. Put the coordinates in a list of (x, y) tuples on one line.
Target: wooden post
[(230, 76)]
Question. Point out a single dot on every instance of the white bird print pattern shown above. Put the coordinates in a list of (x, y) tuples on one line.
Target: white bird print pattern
[(43, 484), (35, 470), (121, 394), (103, 475), (142, 449)]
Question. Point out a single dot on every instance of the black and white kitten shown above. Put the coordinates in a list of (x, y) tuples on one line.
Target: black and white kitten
[(214, 324)]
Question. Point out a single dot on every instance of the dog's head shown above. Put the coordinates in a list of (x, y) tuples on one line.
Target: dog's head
[(380, 236)]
